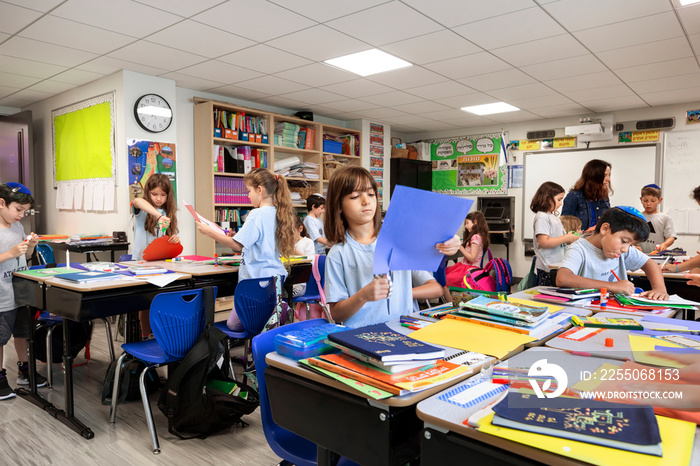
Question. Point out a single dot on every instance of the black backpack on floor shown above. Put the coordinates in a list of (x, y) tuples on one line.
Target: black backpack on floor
[(129, 387), (80, 333), (190, 405)]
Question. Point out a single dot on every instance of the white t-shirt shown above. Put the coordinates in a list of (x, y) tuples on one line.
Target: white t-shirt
[(586, 260), (660, 229), (305, 246), (550, 225)]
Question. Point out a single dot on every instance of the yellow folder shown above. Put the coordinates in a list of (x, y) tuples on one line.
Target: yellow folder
[(472, 337), (552, 307), (641, 344), (676, 442)]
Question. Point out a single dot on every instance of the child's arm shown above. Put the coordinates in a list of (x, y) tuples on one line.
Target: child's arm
[(15, 252), (549, 242), (667, 244), (429, 290), (223, 239), (656, 279), (471, 252), (567, 278), (684, 266), (324, 241), (142, 204), (449, 247), (375, 290), (32, 244)]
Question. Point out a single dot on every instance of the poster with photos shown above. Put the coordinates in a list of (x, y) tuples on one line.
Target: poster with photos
[(147, 158)]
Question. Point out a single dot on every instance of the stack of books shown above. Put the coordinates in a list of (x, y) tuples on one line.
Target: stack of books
[(140, 270), (566, 295), (287, 134), (515, 317)]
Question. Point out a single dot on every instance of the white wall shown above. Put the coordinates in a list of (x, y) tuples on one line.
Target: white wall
[(518, 260)]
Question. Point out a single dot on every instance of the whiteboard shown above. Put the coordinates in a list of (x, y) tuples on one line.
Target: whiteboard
[(681, 169), (632, 168)]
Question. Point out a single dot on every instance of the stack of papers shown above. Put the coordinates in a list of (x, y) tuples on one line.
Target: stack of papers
[(286, 134)]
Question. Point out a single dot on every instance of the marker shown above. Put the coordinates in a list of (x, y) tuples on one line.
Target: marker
[(412, 327), (615, 275)]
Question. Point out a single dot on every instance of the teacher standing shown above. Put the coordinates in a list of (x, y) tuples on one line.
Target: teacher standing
[(589, 197)]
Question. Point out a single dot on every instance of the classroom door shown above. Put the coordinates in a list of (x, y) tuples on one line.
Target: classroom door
[(15, 156)]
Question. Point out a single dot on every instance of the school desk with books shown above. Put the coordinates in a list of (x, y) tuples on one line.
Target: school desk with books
[(455, 427)]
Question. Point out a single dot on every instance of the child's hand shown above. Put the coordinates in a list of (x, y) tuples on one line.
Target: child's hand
[(449, 247), (621, 287), (203, 228), (34, 241), (163, 223), (174, 239), (660, 295), (693, 279), (669, 268), (375, 290), (19, 250), (571, 237)]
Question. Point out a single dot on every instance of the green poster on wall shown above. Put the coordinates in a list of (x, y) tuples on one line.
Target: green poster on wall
[(468, 166)]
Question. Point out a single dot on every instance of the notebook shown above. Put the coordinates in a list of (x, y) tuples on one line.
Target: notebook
[(89, 277)]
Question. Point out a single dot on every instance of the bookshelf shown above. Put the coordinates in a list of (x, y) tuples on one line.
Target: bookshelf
[(221, 194)]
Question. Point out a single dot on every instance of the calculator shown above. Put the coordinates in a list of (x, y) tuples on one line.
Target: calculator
[(306, 342)]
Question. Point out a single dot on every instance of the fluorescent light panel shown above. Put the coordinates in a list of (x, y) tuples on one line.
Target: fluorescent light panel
[(489, 109), (688, 2), (368, 62)]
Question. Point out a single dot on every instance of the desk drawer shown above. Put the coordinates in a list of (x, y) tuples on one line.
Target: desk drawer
[(343, 423)]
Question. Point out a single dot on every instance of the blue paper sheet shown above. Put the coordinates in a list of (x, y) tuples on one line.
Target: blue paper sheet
[(415, 222)]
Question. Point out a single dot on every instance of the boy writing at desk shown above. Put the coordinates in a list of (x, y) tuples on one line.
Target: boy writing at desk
[(598, 261)]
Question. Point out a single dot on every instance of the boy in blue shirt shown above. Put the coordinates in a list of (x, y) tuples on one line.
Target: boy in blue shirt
[(316, 205), (595, 261)]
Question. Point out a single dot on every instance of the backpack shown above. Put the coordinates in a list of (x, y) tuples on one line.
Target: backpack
[(80, 333), (189, 399), (316, 310), (495, 276), (129, 388)]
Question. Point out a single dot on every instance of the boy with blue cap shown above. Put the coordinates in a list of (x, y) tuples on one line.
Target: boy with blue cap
[(15, 247), (661, 231), (603, 259)]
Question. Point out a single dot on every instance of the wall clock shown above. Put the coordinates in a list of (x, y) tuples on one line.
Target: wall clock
[(153, 113)]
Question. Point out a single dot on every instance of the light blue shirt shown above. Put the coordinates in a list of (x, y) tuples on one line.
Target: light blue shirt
[(142, 238), (349, 268), (314, 227), (260, 257), (588, 261), (419, 278)]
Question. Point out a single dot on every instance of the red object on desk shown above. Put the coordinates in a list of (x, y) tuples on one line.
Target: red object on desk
[(160, 248)]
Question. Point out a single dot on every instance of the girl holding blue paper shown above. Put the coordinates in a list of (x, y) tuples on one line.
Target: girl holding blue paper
[(355, 296)]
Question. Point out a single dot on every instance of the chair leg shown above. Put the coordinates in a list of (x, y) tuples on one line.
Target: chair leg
[(147, 410), (327, 313), (231, 374), (115, 389), (49, 357), (308, 311), (108, 330)]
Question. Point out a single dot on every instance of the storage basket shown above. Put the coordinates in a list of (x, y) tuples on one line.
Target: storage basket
[(304, 192), (329, 167), (397, 153)]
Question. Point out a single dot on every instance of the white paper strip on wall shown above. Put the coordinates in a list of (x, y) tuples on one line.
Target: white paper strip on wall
[(59, 193), (694, 221), (109, 196), (89, 189), (680, 220), (78, 189), (286, 163), (68, 196), (98, 197)]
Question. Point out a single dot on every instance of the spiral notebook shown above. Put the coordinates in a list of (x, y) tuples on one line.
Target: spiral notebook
[(473, 392)]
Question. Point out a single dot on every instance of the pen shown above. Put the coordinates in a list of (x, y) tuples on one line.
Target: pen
[(597, 355), (412, 327), (615, 275), (662, 265)]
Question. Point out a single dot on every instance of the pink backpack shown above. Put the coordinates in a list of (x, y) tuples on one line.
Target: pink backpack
[(311, 310)]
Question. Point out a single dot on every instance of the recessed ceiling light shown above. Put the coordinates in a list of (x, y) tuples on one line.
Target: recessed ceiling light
[(688, 2), (368, 62), (488, 109)]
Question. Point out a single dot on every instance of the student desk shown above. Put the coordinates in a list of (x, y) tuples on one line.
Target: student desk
[(88, 249), (341, 420), (446, 440), (676, 283), (87, 301)]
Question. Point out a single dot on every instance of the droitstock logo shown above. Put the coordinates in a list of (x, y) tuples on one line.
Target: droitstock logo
[(543, 370)]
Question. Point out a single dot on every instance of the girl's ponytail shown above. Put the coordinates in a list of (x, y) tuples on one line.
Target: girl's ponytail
[(285, 218)]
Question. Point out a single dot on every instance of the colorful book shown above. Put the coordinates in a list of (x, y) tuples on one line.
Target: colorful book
[(570, 293), (89, 277), (139, 270), (523, 312), (623, 426), (607, 322), (382, 343), (389, 366)]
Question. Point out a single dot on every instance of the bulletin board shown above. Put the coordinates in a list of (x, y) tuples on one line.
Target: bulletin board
[(680, 168), (632, 168)]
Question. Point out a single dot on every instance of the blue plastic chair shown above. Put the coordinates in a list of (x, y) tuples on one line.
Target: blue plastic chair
[(254, 301), (45, 254), (125, 257), (286, 444), (312, 293), (177, 320)]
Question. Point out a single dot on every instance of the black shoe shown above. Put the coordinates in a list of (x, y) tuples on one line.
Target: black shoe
[(5, 390), (23, 376)]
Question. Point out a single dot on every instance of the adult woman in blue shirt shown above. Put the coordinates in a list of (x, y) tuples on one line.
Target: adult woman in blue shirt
[(589, 197)]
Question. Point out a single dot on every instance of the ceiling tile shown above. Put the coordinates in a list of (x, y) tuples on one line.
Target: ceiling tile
[(108, 65), (20, 47), (676, 96), (125, 17), (512, 28), (16, 81), (191, 82), (651, 52), (314, 96), (382, 112), (358, 88), (272, 85), (327, 43), (522, 92), (38, 5), (159, 56), (219, 72), (279, 101), (690, 18), (407, 78), (467, 100), (392, 99), (370, 25), (184, 8), (586, 81), (585, 64), (239, 92), (51, 87), (541, 50), (561, 110), (455, 12), (406, 119), (663, 69), (615, 103), (694, 40), (6, 91), (440, 90), (200, 39), (598, 93), (67, 33), (317, 74), (255, 20), (549, 100), (576, 15), (323, 10), (436, 46), (497, 80), (447, 114), (265, 59), (419, 108), (469, 65), (667, 84), (353, 105), (13, 18), (76, 77), (633, 32), (28, 67), (512, 117)]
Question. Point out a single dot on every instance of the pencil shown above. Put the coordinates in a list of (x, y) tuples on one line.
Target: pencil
[(597, 355), (615, 275)]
